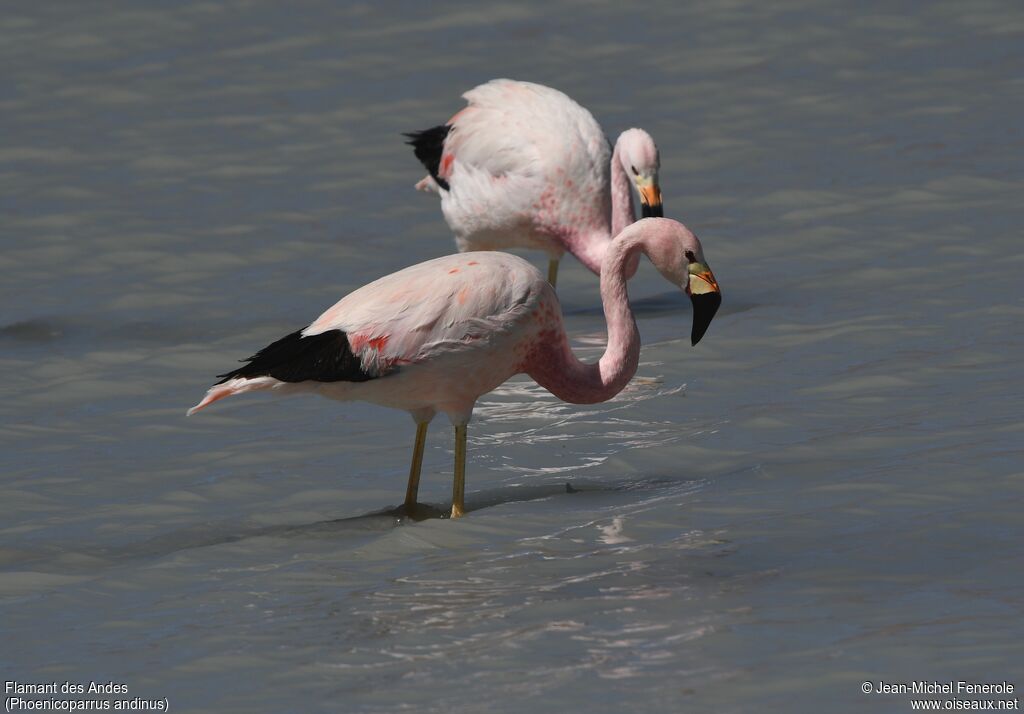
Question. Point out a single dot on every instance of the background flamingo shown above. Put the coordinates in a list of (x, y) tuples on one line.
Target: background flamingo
[(525, 166), (436, 336)]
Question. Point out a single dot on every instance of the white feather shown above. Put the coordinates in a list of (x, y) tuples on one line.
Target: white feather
[(527, 166)]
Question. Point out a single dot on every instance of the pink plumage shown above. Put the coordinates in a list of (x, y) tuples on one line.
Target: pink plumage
[(523, 165), (436, 336)]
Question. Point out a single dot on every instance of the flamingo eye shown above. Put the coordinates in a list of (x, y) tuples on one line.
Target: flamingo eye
[(635, 172), (690, 256)]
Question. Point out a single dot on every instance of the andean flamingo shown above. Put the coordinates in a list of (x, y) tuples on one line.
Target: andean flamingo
[(523, 165), (436, 336)]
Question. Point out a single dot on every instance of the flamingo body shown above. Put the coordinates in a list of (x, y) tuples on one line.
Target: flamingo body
[(525, 166), (436, 336), (430, 338)]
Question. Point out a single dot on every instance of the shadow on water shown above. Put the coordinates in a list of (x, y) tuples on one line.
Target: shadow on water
[(668, 303), (374, 523), (393, 517), (32, 331)]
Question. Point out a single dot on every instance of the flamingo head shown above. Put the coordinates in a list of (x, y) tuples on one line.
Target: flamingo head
[(639, 156), (678, 255)]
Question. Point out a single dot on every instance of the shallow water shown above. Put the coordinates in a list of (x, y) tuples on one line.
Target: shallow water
[(827, 490)]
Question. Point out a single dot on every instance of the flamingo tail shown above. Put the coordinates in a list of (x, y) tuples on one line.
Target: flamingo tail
[(230, 388)]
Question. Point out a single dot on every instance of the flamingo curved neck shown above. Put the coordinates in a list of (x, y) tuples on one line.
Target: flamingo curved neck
[(559, 371), (622, 195), (590, 248)]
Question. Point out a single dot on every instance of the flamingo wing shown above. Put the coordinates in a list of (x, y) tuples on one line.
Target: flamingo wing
[(510, 129), (450, 303), (519, 158), (428, 146), (327, 357)]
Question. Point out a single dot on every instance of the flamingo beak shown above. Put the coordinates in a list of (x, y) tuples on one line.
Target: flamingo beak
[(706, 298), (650, 199)]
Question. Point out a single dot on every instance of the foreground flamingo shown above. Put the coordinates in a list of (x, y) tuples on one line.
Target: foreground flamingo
[(436, 336), (525, 166)]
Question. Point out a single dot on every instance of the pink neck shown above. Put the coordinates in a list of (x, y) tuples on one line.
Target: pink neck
[(590, 249), (557, 369), (622, 195)]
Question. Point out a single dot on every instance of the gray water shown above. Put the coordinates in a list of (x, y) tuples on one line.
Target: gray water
[(827, 490)]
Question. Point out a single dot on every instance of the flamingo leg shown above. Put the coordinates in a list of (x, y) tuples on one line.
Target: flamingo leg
[(459, 486), (553, 271), (413, 488)]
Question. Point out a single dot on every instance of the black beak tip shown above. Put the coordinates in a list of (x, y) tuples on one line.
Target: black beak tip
[(655, 211), (704, 308)]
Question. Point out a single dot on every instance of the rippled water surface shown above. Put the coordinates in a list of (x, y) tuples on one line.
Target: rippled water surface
[(827, 490)]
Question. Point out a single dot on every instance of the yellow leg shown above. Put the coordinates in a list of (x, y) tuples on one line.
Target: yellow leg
[(459, 486), (553, 272), (414, 470)]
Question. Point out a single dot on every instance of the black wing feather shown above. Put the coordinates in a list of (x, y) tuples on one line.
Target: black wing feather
[(326, 357), (428, 145)]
